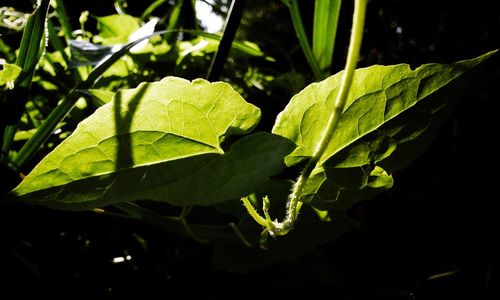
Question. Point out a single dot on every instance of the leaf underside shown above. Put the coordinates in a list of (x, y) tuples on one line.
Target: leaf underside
[(392, 114), (160, 141)]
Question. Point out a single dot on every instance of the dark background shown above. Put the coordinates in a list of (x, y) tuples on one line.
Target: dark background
[(438, 218)]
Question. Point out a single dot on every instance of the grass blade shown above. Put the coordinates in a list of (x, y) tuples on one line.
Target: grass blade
[(30, 51), (293, 6), (173, 21), (56, 42), (149, 10), (63, 19), (326, 16)]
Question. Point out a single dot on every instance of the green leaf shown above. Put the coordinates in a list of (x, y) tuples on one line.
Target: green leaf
[(9, 73), (116, 29), (160, 141), (67, 103), (392, 114)]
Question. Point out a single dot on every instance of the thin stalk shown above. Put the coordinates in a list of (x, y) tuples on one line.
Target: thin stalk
[(253, 213), (149, 10), (232, 23), (293, 6), (294, 204)]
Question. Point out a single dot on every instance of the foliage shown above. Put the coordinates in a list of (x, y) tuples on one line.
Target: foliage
[(105, 120)]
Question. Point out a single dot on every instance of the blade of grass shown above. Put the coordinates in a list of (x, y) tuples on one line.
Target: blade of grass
[(151, 8), (56, 42), (232, 23), (293, 6), (326, 16), (29, 53), (173, 20), (63, 19)]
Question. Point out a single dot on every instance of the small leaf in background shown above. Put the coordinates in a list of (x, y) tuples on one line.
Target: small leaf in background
[(160, 141), (391, 115), (116, 29), (8, 74)]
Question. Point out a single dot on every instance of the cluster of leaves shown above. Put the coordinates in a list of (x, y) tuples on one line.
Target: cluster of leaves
[(190, 143)]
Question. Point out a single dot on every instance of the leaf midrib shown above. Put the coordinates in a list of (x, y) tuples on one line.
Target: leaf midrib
[(361, 136)]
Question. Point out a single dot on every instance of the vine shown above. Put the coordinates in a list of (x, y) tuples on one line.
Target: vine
[(274, 227)]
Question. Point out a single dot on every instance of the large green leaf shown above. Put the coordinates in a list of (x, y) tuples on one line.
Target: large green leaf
[(392, 113), (160, 141)]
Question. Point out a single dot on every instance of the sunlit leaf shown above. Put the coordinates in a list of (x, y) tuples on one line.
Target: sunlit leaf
[(116, 29), (160, 141), (392, 114)]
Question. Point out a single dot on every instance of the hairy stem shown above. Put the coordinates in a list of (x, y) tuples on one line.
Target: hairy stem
[(294, 204)]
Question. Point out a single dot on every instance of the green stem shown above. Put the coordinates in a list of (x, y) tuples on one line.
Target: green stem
[(230, 27), (294, 204), (251, 210), (293, 6)]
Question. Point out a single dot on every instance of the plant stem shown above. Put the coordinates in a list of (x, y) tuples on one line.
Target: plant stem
[(294, 204), (230, 27)]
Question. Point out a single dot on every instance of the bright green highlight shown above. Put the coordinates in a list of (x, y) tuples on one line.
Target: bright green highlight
[(9, 73)]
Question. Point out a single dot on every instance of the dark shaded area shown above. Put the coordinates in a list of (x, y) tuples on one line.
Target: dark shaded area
[(439, 217)]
